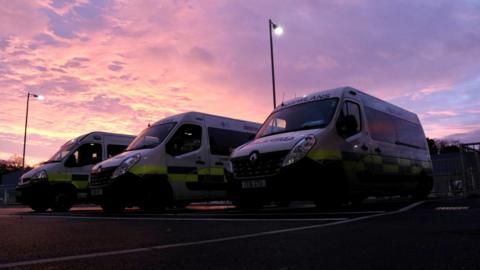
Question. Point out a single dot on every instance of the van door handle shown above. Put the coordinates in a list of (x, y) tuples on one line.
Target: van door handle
[(364, 147), (378, 150), (200, 162)]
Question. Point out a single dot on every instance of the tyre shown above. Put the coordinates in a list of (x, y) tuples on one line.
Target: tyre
[(63, 200), (327, 203), (357, 199), (247, 205), (424, 187), (38, 207), (181, 205), (282, 203), (112, 207), (153, 200)]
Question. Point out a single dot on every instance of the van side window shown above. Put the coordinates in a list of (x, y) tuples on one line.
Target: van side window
[(409, 134), (388, 128), (115, 149), (223, 141), (381, 125), (86, 154), (188, 138), (349, 121)]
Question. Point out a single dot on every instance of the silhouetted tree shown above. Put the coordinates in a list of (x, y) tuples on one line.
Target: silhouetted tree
[(14, 163), (446, 147), (432, 146)]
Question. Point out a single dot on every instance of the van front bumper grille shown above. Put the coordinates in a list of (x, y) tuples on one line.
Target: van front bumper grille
[(266, 164), (102, 177)]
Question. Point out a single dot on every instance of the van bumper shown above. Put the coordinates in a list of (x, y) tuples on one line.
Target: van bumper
[(33, 192), (125, 189), (304, 180)]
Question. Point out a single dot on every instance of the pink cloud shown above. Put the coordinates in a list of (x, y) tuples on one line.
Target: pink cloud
[(425, 91), (21, 18), (442, 113)]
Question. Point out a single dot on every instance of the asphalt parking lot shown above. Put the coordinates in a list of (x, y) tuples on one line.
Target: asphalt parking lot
[(380, 234)]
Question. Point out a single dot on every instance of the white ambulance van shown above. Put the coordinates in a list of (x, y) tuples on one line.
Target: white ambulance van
[(332, 147), (62, 180), (176, 160)]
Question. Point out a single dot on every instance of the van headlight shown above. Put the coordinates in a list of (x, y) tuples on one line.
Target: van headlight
[(40, 176), (126, 165), (229, 167), (300, 150)]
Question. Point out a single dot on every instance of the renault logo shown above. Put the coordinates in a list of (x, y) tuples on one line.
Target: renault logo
[(253, 157)]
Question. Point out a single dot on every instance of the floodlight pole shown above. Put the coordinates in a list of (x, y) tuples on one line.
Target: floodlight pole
[(270, 26), (26, 122)]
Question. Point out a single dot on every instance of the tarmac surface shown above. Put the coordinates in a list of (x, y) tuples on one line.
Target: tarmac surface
[(379, 234)]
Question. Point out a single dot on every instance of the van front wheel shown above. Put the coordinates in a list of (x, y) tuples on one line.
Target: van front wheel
[(247, 205), (153, 202), (63, 200), (38, 207), (112, 207)]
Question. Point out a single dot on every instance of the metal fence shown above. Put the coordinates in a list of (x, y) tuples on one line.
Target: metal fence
[(457, 174), (7, 195)]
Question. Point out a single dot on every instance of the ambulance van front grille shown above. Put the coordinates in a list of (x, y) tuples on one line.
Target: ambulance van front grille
[(265, 165), (101, 178)]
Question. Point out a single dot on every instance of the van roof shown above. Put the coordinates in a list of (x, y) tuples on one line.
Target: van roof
[(347, 91), (212, 121), (81, 137)]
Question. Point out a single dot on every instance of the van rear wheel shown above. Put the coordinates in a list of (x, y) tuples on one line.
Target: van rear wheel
[(424, 187)]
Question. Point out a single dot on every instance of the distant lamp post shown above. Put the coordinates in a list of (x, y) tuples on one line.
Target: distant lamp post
[(278, 31), (39, 97)]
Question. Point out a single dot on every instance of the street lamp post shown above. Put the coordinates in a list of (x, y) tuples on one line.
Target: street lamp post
[(39, 97), (278, 31)]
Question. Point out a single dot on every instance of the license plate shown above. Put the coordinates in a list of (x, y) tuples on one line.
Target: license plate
[(96, 192), (254, 184)]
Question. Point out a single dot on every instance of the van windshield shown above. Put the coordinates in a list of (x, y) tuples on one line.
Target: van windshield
[(64, 151), (159, 131), (308, 115)]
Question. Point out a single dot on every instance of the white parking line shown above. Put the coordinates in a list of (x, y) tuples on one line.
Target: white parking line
[(452, 208), (202, 242)]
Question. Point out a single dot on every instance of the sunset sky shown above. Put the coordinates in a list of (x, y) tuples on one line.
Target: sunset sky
[(118, 65)]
